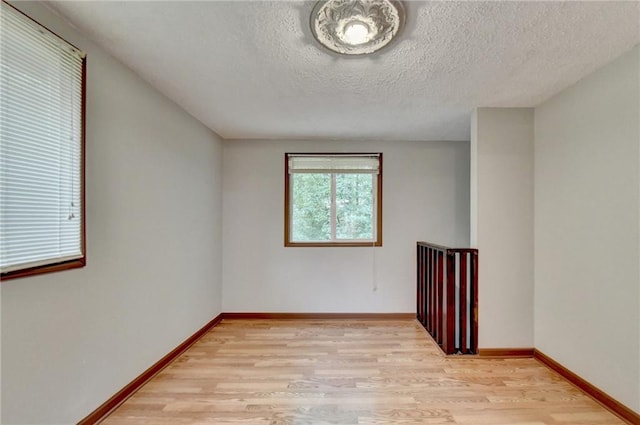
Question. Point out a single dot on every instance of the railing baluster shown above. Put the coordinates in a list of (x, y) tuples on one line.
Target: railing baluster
[(432, 293), (449, 312), (423, 300), (436, 299), (439, 283), (427, 299), (432, 298)]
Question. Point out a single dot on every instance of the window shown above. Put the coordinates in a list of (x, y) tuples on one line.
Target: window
[(333, 199), (42, 81)]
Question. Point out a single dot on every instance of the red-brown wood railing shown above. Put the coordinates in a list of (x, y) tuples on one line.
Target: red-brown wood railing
[(447, 296)]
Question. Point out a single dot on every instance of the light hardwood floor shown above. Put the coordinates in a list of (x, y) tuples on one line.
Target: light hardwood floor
[(316, 372)]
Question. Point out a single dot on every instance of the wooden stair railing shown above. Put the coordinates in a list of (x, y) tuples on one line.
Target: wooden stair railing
[(447, 296)]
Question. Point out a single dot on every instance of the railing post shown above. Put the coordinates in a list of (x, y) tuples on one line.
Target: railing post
[(423, 285), (474, 302), (464, 323), (418, 275), (422, 300)]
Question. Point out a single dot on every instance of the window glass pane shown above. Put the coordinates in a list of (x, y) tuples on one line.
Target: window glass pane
[(311, 208), (354, 206)]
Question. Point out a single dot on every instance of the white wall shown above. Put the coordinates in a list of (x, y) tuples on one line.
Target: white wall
[(425, 197), (153, 276), (587, 256), (502, 225), (473, 182)]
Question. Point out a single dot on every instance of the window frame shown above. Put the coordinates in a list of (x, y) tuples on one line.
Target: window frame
[(56, 264), (332, 243)]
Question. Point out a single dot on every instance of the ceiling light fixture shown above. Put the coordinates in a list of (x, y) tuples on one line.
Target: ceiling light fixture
[(356, 27)]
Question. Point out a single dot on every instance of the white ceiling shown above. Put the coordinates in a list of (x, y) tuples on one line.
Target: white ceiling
[(250, 69)]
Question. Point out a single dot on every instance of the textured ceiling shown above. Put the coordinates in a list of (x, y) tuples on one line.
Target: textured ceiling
[(250, 69)]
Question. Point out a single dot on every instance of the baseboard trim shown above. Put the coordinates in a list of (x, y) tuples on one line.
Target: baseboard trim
[(506, 353), (320, 316), (121, 396), (608, 402)]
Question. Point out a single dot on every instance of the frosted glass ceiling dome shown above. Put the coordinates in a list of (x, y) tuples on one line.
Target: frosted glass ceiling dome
[(356, 27)]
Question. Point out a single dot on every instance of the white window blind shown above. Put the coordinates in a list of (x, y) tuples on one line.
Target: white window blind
[(339, 163), (41, 105)]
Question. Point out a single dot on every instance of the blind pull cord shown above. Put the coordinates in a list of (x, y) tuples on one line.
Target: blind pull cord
[(374, 281)]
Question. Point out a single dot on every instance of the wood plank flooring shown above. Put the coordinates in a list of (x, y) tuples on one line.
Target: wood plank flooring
[(343, 372)]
